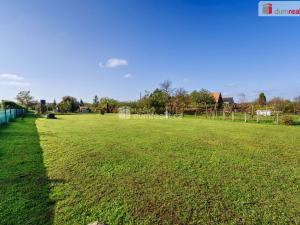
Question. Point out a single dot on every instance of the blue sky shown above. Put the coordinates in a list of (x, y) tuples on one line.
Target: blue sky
[(121, 48)]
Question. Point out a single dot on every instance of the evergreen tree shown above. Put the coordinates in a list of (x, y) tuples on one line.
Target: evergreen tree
[(96, 101), (262, 100), (81, 102)]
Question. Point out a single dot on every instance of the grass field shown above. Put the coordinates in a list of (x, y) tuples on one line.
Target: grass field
[(82, 168)]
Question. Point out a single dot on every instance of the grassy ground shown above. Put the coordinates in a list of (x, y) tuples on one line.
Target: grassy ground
[(24, 186), (152, 171)]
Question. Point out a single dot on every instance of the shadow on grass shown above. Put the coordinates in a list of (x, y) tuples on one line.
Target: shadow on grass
[(24, 185)]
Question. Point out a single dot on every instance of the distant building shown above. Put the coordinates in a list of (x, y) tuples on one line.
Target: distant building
[(218, 98), (228, 100), (84, 109), (264, 112)]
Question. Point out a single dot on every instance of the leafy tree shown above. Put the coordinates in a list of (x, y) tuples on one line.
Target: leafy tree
[(202, 97), (9, 104), (109, 105), (180, 100), (144, 103), (52, 106), (167, 91), (158, 100), (68, 104), (262, 100), (25, 99)]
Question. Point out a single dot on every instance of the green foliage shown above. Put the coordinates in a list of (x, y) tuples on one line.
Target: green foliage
[(10, 104), (109, 105), (287, 120), (158, 101), (68, 104), (262, 100), (202, 97), (180, 101)]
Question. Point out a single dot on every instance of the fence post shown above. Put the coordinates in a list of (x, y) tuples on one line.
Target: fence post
[(277, 118), (232, 115), (245, 117), (5, 116), (257, 119), (223, 114)]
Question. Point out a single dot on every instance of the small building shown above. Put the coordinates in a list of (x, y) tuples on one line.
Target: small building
[(264, 112), (218, 98), (84, 109), (228, 100)]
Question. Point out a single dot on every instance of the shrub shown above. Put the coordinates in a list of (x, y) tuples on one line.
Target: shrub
[(287, 120)]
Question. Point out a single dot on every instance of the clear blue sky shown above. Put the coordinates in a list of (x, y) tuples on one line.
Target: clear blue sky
[(121, 48)]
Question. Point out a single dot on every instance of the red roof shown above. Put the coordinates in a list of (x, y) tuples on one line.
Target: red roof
[(217, 96)]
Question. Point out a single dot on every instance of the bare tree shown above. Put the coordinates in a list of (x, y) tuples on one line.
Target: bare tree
[(242, 98), (24, 98), (297, 104), (166, 87), (297, 99)]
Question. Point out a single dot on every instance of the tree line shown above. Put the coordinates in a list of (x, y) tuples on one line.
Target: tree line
[(162, 99)]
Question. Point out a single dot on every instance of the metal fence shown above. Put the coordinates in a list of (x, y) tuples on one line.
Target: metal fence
[(7, 115)]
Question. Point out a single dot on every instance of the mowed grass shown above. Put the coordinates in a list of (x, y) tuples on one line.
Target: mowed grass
[(155, 171), (24, 186)]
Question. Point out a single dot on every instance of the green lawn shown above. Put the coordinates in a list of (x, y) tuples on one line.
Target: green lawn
[(82, 168), (24, 186)]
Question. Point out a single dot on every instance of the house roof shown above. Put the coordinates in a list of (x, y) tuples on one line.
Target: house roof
[(228, 100), (217, 96)]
